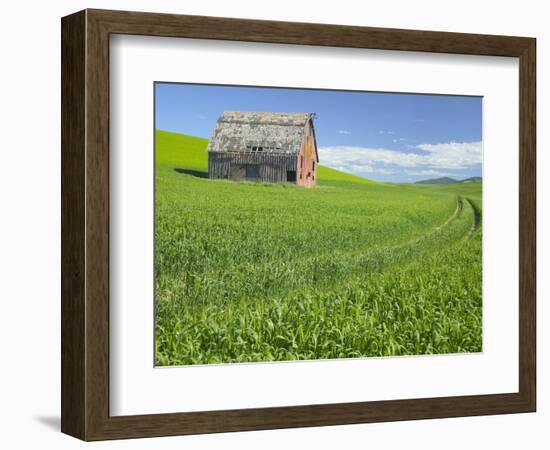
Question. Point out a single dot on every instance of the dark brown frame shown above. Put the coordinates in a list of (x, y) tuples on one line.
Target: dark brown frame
[(85, 224)]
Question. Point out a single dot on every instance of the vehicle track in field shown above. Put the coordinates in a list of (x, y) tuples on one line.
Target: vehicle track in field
[(456, 213), (477, 218), (403, 251), (403, 246)]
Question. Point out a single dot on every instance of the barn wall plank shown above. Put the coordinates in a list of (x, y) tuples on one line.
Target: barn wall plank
[(272, 167)]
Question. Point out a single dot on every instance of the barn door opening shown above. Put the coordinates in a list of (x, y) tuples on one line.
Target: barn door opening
[(291, 176), (252, 172), (249, 172)]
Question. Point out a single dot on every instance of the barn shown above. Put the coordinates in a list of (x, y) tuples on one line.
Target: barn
[(267, 147)]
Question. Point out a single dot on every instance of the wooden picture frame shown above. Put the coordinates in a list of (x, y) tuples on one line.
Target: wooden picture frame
[(85, 224)]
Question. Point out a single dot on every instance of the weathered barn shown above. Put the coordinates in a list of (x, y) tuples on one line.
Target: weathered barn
[(264, 146)]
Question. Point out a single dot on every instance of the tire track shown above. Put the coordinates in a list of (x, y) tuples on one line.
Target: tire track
[(477, 218), (458, 210)]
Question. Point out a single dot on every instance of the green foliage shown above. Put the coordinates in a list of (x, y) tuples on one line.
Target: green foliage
[(351, 268)]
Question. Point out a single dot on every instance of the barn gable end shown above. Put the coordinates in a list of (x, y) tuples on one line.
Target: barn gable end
[(264, 146), (308, 158)]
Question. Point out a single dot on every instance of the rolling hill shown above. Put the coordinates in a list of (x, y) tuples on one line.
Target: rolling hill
[(448, 180)]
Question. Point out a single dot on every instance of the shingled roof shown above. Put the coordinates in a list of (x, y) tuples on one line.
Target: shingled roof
[(239, 131)]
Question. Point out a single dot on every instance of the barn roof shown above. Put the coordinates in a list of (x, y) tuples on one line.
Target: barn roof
[(238, 131)]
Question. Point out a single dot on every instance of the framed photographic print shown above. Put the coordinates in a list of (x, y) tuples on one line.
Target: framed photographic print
[(271, 224)]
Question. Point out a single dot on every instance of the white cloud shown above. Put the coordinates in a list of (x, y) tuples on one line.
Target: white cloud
[(429, 173), (344, 132), (361, 169), (384, 171), (452, 155), (357, 168)]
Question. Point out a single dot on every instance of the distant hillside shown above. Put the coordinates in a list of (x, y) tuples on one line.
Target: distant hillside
[(181, 150), (442, 180), (472, 180), (448, 180)]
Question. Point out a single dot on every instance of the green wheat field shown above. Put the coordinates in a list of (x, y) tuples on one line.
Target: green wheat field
[(249, 272)]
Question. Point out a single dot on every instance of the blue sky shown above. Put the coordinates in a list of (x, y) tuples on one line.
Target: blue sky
[(381, 136)]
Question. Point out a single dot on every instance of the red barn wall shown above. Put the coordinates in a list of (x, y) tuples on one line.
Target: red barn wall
[(306, 173)]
